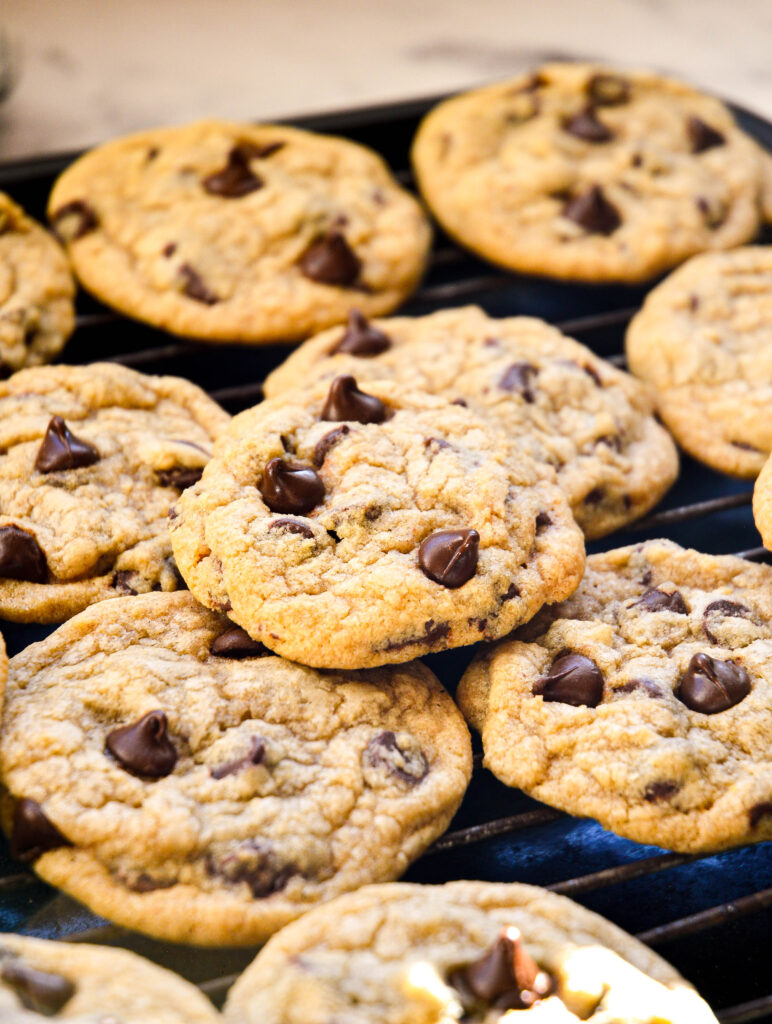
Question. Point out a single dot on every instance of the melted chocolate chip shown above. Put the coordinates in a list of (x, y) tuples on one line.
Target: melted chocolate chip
[(144, 748), (505, 976), (512, 591), (649, 687), (542, 522), (702, 136), (292, 526), (235, 179), (759, 811), (330, 260), (194, 287), (60, 449), (586, 126), (593, 212), (254, 863), (595, 496), (32, 833), (719, 610), (146, 883), (122, 580), (179, 477), (660, 791), (264, 151), (237, 643), (406, 763), (360, 337), (21, 557), (323, 446), (591, 371), (169, 249), (291, 487), (655, 600), (40, 991), (711, 686), (608, 90), (255, 755), (449, 557), (346, 402), (519, 377), (572, 679), (74, 220), (433, 633)]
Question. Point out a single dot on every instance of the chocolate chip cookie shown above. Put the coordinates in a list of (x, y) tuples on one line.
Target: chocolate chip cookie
[(36, 291), (91, 458), (346, 527), (762, 503), (578, 171), (463, 951), (571, 412), (180, 780), (643, 701), (84, 983), (238, 232), (703, 339)]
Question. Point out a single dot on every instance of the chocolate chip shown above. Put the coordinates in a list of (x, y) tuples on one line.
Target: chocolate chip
[(330, 260), (178, 477), (346, 402), (641, 683), (291, 487), (255, 863), (572, 679), (713, 213), (21, 557), (169, 249), (593, 212), (595, 496), (122, 580), (255, 755), (60, 449), (329, 441), (512, 591), (144, 747), (710, 686), (292, 526), (745, 446), (586, 126), (264, 151), (611, 441), (720, 610), (360, 337), (702, 136), (608, 90), (590, 370), (759, 811), (74, 220), (32, 833), (660, 791), (542, 521), (519, 377), (402, 759), (449, 557), (146, 883), (506, 975), (237, 643), (235, 179), (193, 286), (655, 600), (40, 991), (433, 633)]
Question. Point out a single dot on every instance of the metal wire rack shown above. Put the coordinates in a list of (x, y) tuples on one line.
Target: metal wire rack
[(710, 915)]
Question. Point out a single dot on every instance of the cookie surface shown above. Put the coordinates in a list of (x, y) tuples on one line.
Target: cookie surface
[(237, 232), (645, 703), (703, 339), (209, 794), (88, 984), (36, 291), (345, 544), (572, 412), (762, 503), (404, 953), (91, 458), (579, 171)]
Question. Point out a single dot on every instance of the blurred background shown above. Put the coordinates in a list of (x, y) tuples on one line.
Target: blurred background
[(85, 70)]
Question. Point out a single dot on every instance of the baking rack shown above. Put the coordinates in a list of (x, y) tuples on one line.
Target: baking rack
[(710, 915)]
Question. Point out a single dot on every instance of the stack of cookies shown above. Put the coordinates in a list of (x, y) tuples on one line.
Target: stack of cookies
[(230, 726)]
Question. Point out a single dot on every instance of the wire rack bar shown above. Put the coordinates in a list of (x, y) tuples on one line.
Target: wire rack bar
[(709, 918), (491, 829), (672, 516), (621, 873), (754, 1010)]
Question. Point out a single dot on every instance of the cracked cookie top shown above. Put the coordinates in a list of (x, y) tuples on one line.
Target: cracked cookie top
[(238, 232), (467, 951), (345, 527), (571, 412), (91, 458), (180, 780), (36, 291), (643, 701), (585, 172)]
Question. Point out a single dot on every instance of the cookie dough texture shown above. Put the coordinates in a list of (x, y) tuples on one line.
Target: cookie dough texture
[(290, 786), (102, 528), (501, 165), (36, 291), (3, 670), (642, 763), (573, 413), (703, 340), (108, 985), (341, 586), (762, 503), (383, 955), (148, 235)]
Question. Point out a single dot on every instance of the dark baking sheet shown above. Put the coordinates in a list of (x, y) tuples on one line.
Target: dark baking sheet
[(709, 915)]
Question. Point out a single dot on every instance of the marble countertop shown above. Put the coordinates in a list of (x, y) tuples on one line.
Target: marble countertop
[(91, 69)]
